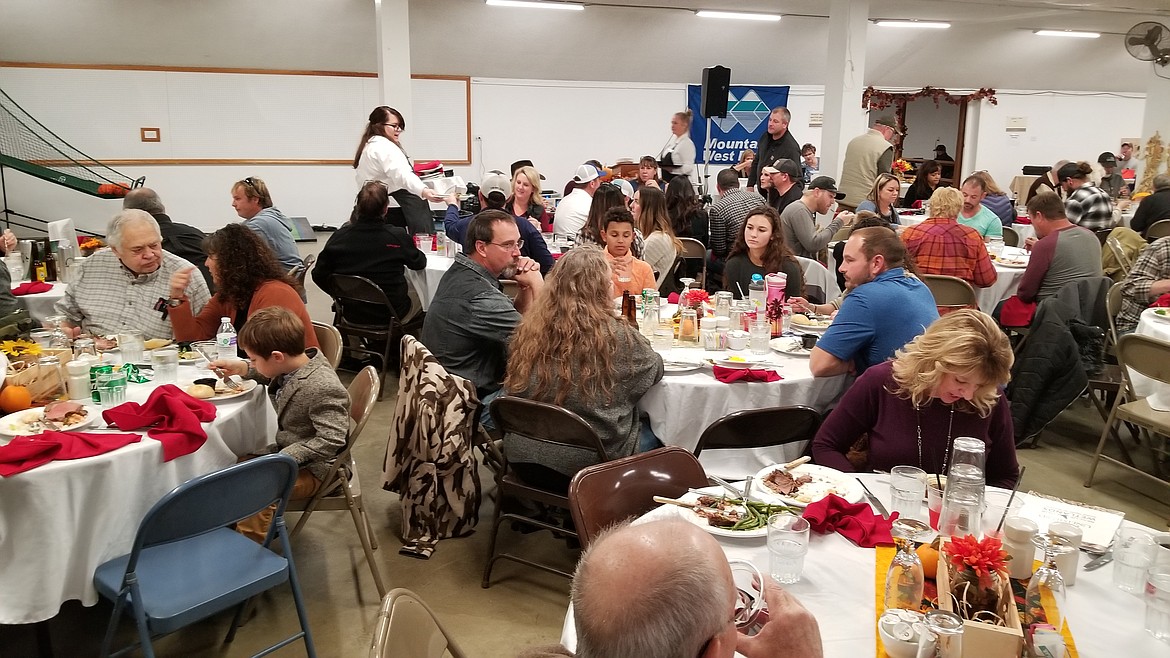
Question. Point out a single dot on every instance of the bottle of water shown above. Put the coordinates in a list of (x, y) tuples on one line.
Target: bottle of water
[(225, 339), (758, 293)]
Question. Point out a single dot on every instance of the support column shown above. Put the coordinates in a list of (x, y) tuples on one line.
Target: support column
[(393, 21), (1155, 119), (844, 81)]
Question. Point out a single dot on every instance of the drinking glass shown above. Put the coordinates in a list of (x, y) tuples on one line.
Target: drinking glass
[(1133, 553), (962, 508), (758, 337), (787, 546), (934, 502), (166, 365), (688, 328), (1046, 592), (943, 637), (905, 579), (60, 337), (42, 337), (15, 264), (996, 510), (1157, 595), (131, 346), (663, 338), (749, 585), (111, 388), (650, 312), (907, 489)]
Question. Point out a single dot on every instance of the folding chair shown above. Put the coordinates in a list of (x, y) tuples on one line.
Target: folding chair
[(408, 628), (342, 477), (1010, 237), (298, 272), (186, 564), (761, 428), (329, 338), (950, 292), (695, 255), (1158, 229), (608, 493), (549, 424), (354, 292), (1114, 245)]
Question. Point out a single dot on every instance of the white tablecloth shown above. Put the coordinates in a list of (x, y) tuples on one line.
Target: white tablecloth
[(426, 280), (682, 406), (838, 588), (40, 305), (1156, 393), (60, 521)]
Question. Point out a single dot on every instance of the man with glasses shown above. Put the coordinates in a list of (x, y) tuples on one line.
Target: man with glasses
[(493, 195), (664, 588), (253, 203), (470, 319)]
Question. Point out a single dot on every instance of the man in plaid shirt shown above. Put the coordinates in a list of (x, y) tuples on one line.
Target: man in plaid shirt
[(1148, 280), (1087, 205), (727, 214), (941, 245)]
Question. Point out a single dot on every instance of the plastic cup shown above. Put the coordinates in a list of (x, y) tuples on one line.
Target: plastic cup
[(42, 337), (994, 509), (787, 546), (934, 500), (1133, 554), (663, 337), (111, 388), (131, 346), (759, 335), (1157, 596), (166, 365), (907, 489)]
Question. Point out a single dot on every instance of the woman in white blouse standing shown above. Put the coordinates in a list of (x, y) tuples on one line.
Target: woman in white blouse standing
[(679, 148), (380, 157)]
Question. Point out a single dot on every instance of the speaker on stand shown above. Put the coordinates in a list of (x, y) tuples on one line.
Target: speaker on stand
[(713, 102)]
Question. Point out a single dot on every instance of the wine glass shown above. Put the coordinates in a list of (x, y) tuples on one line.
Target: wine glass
[(905, 579), (60, 337), (1046, 592), (686, 283)]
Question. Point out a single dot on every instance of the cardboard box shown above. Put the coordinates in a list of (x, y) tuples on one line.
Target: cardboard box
[(982, 640)]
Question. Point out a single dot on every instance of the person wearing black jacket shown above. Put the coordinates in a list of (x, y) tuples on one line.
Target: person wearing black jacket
[(776, 143), (1154, 207), (180, 239)]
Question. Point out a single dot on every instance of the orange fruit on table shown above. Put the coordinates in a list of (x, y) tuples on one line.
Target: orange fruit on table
[(929, 557), (14, 398)]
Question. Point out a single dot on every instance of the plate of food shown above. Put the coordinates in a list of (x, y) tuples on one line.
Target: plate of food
[(816, 324), (217, 390), (62, 416), (806, 484), (743, 362), (712, 510), (1015, 262), (677, 366), (789, 345), (1162, 314)]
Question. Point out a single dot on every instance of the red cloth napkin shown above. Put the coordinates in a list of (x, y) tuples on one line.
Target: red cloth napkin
[(853, 521), (25, 453), (729, 375), (1023, 219), (31, 288), (672, 298), (178, 417), (1016, 313), (1161, 302)]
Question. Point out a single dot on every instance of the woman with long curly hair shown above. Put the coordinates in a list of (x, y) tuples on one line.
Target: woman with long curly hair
[(760, 249), (650, 217), (570, 350), (247, 278), (945, 383), (688, 218)]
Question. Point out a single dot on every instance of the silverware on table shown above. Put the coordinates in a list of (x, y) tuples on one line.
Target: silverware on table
[(227, 379), (1099, 562), (726, 485), (873, 500)]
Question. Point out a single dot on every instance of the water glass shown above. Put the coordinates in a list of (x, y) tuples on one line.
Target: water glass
[(934, 502), (166, 365), (1157, 595), (962, 509), (131, 345), (1133, 554), (42, 337), (758, 337), (688, 328), (15, 264), (787, 546), (111, 388), (907, 489), (663, 338), (996, 510)]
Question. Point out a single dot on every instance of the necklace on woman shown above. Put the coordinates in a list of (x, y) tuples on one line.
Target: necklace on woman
[(947, 453)]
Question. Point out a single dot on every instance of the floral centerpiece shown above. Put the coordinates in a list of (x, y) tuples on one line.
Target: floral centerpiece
[(19, 347), (89, 245), (695, 299), (901, 168), (978, 567)]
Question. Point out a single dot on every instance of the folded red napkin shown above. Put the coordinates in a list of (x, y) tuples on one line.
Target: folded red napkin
[(28, 452), (853, 521), (672, 298), (1016, 313), (1023, 219), (728, 375), (178, 417), (31, 288), (1162, 301)]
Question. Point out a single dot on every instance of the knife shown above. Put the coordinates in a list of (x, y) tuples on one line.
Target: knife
[(1099, 562), (873, 500)]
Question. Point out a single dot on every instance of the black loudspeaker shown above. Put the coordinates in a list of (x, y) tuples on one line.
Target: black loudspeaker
[(716, 80)]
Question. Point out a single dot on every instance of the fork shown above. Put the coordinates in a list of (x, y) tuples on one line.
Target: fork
[(227, 379)]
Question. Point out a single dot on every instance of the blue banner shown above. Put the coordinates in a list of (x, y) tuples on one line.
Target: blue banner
[(748, 109)]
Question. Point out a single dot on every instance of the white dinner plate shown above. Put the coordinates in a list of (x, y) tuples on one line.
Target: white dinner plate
[(1013, 264), (1162, 314), (222, 392), (825, 481), (27, 422), (748, 362), (701, 521), (788, 345), (676, 367), (808, 328)]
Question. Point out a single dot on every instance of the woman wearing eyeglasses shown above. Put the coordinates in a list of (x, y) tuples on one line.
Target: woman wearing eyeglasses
[(380, 157)]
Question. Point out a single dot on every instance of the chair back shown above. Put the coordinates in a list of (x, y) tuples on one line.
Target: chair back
[(608, 493), (217, 499), (1010, 237), (759, 428), (408, 628), (347, 289), (818, 279), (1148, 356), (950, 291), (298, 272), (1158, 229), (1112, 308), (545, 422), (363, 393), (510, 288), (1118, 250), (329, 338)]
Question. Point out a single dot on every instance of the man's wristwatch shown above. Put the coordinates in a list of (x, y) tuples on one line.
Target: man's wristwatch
[(174, 301)]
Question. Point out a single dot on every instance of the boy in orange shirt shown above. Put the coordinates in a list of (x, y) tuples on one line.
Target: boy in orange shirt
[(629, 274)]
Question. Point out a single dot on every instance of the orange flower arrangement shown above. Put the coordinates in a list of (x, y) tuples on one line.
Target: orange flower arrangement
[(901, 166), (980, 556)]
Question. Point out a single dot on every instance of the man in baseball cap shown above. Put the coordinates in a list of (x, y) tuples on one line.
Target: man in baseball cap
[(799, 220), (785, 176), (573, 210), (1111, 181), (828, 184), (494, 191)]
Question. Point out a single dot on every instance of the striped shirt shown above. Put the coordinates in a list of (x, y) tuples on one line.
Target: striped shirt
[(727, 216), (1089, 206), (1152, 266), (942, 246)]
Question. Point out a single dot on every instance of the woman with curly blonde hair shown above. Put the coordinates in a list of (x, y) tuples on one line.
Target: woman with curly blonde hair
[(570, 350), (943, 384)]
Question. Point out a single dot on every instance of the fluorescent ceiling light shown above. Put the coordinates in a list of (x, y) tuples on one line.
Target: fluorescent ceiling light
[(919, 24), (703, 13), (532, 4), (1067, 33)]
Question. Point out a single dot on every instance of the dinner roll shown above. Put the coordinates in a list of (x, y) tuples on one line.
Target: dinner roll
[(200, 391)]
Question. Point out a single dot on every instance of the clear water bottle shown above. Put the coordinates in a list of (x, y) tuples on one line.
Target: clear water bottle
[(758, 293), (225, 339)]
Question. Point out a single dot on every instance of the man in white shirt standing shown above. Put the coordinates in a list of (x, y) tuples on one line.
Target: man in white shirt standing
[(573, 210)]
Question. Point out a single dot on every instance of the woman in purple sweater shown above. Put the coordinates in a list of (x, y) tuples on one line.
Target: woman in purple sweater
[(945, 383)]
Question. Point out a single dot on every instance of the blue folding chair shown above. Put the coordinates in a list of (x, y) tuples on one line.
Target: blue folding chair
[(186, 564)]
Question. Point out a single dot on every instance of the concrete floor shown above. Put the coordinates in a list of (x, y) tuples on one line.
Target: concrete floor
[(523, 607)]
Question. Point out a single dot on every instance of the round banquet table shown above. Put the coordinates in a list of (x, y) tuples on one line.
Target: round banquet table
[(60, 521), (40, 306), (426, 280), (682, 405), (838, 587), (1156, 393)]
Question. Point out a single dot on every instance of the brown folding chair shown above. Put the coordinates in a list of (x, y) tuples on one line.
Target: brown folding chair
[(1114, 245), (761, 428), (342, 477), (408, 628), (356, 292), (1158, 229), (1149, 357), (950, 292), (611, 492), (549, 424), (298, 272), (692, 251), (329, 338), (1010, 237)]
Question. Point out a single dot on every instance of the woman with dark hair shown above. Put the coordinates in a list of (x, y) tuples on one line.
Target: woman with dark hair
[(607, 196), (688, 218), (925, 181), (380, 157), (247, 278), (662, 247), (760, 249), (367, 246)]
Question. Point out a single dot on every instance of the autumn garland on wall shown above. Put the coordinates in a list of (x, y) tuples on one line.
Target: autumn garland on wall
[(875, 99)]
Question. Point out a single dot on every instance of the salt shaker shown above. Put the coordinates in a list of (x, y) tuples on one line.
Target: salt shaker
[(709, 333), (77, 379), (1066, 563), (1017, 541)]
